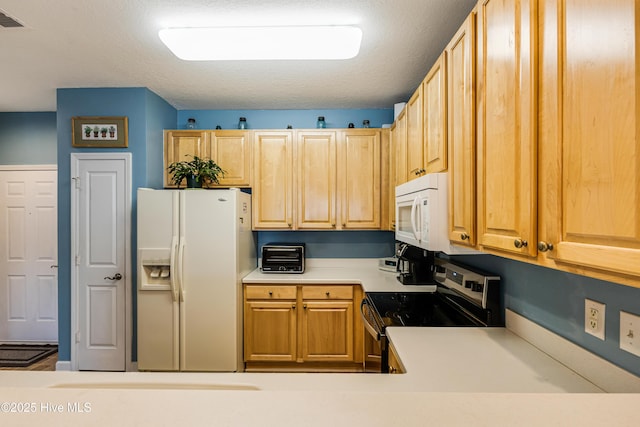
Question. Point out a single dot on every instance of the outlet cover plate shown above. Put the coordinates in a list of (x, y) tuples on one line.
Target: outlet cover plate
[(594, 318), (630, 332)]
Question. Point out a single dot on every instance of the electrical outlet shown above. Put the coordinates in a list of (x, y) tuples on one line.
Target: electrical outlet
[(594, 318), (630, 332)]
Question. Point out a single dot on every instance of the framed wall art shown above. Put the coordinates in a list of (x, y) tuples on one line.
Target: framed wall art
[(98, 132)]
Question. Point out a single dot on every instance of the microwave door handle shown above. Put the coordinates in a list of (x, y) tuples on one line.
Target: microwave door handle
[(414, 223)]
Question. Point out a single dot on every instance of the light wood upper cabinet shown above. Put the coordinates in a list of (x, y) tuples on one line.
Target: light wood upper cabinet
[(590, 146), (434, 118), (273, 180), (414, 132), (179, 145), (231, 150), (359, 178), (316, 179), (507, 126), (399, 142), (461, 136)]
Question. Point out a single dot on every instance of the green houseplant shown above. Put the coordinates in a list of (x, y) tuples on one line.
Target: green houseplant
[(196, 172)]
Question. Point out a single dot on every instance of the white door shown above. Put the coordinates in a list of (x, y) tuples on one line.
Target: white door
[(101, 189), (28, 254)]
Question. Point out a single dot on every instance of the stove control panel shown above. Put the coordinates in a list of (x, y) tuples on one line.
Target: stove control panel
[(475, 285)]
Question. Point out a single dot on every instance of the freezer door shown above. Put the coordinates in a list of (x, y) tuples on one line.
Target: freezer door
[(158, 305)]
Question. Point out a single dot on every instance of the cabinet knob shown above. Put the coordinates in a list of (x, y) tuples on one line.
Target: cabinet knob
[(293, 306), (464, 236), (519, 243), (304, 306), (289, 224), (327, 294), (545, 246), (270, 293)]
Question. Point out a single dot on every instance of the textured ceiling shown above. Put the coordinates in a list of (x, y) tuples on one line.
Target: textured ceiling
[(114, 43)]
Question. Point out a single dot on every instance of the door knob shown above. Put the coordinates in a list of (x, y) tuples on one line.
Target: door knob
[(544, 246), (117, 276), (519, 243)]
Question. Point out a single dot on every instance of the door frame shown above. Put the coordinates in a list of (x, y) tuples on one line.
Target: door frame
[(75, 236)]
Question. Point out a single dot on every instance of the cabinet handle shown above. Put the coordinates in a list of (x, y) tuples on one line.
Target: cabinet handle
[(464, 236), (304, 306), (392, 369), (293, 306), (270, 293), (289, 224), (327, 294), (545, 246), (519, 243)]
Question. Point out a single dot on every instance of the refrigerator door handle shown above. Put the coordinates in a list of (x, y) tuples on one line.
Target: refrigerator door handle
[(173, 268), (181, 268)]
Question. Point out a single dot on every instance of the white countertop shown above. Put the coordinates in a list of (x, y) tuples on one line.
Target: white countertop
[(363, 272), (455, 376)]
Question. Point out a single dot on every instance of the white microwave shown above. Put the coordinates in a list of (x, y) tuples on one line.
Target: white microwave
[(422, 214)]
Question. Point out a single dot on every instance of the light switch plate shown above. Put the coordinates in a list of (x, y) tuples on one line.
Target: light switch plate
[(630, 332)]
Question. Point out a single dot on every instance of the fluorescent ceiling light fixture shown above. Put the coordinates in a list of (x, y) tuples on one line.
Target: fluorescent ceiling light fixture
[(249, 43)]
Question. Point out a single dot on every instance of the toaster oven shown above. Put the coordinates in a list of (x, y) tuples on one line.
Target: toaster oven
[(283, 258)]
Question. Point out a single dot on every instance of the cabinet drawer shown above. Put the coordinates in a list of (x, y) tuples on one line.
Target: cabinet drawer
[(327, 292), (270, 292)]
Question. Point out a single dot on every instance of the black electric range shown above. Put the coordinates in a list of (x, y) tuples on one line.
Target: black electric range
[(463, 297)]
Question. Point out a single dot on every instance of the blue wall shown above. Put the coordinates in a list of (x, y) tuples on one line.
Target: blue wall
[(336, 244), (138, 104), (28, 138), (555, 300), (280, 119)]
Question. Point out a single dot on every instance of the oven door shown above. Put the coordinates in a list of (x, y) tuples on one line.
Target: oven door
[(376, 357)]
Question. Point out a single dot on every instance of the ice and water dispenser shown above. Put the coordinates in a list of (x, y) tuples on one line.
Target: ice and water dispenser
[(156, 269)]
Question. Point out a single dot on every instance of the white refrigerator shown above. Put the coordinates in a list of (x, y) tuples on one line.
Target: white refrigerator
[(194, 248)]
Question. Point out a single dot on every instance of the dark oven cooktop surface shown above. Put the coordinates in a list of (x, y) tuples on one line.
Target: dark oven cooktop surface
[(420, 309)]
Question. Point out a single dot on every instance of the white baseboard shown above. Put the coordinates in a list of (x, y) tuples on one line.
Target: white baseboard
[(63, 365), (599, 371)]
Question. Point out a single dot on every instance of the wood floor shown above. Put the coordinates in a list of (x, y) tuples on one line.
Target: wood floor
[(46, 364)]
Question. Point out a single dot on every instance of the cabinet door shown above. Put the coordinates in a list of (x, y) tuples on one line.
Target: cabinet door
[(399, 141), (270, 331), (179, 145), (415, 143), (507, 111), (327, 331), (316, 179), (359, 179), (434, 116), (273, 180), (590, 170), (461, 136), (231, 149)]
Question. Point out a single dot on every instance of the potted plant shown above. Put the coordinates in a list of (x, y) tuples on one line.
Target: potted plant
[(87, 131), (103, 132), (112, 131), (196, 172)]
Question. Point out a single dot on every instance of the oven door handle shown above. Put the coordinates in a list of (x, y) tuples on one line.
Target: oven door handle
[(365, 322)]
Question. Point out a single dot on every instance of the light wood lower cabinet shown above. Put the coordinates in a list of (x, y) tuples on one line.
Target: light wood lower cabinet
[(301, 328), (395, 365)]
